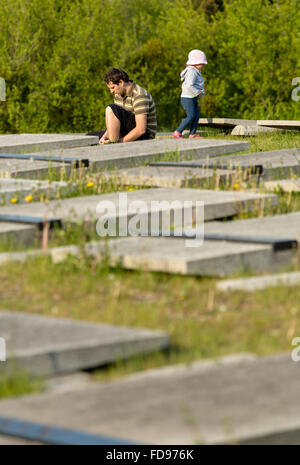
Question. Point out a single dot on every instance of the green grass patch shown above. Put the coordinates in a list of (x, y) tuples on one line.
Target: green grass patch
[(261, 142)]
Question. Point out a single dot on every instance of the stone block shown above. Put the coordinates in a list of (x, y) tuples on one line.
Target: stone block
[(46, 345)]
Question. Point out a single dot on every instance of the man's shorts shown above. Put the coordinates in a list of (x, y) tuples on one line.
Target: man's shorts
[(127, 122)]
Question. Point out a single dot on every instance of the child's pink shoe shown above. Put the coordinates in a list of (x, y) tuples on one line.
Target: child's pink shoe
[(177, 135), (195, 136)]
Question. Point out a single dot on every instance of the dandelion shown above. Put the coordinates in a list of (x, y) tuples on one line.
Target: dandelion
[(29, 198), (90, 184), (236, 186), (14, 200), (130, 188)]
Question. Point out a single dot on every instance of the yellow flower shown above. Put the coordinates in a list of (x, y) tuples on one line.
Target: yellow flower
[(28, 198), (130, 188), (90, 184), (236, 186), (14, 200)]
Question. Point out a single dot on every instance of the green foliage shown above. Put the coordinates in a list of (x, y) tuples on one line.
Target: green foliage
[(257, 56), (55, 53)]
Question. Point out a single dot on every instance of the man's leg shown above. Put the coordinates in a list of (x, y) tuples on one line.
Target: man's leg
[(113, 125), (119, 122)]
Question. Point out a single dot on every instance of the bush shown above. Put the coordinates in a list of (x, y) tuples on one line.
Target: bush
[(55, 53)]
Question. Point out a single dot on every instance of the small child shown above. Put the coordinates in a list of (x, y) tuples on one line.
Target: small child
[(192, 89)]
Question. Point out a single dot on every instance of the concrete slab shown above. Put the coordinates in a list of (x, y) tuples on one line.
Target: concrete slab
[(252, 130), (131, 154), (259, 282), (25, 143), (13, 233), (276, 163), (213, 258), (45, 345), (225, 122), (169, 177), (170, 255), (115, 156), (22, 188), (14, 441), (28, 168), (281, 226), (239, 399), (287, 185), (282, 124), (32, 432), (217, 204)]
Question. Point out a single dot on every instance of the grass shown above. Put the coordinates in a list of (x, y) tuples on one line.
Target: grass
[(19, 382), (262, 142)]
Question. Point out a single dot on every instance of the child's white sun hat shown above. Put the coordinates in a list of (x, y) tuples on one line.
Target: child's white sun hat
[(196, 57)]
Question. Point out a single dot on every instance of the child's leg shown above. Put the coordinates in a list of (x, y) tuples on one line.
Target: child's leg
[(194, 123), (189, 108)]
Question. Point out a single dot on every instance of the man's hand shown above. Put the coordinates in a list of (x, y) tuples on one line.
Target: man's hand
[(104, 139)]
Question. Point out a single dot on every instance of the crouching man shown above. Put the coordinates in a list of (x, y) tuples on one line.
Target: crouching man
[(132, 116)]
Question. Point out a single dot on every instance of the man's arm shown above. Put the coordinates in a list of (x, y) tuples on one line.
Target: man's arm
[(138, 131)]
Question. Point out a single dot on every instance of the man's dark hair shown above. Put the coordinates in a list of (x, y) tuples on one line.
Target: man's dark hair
[(115, 75)]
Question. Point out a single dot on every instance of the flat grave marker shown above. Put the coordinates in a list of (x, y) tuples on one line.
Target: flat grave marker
[(14, 168), (26, 143), (287, 185), (260, 282), (217, 204), (131, 154), (224, 123), (168, 176), (15, 233), (47, 346), (281, 124), (167, 401), (275, 163), (250, 130), (22, 188), (116, 156)]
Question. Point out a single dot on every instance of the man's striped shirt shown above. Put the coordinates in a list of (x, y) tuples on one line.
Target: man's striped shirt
[(140, 102)]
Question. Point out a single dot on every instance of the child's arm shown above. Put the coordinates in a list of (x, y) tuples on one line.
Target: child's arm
[(195, 84)]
